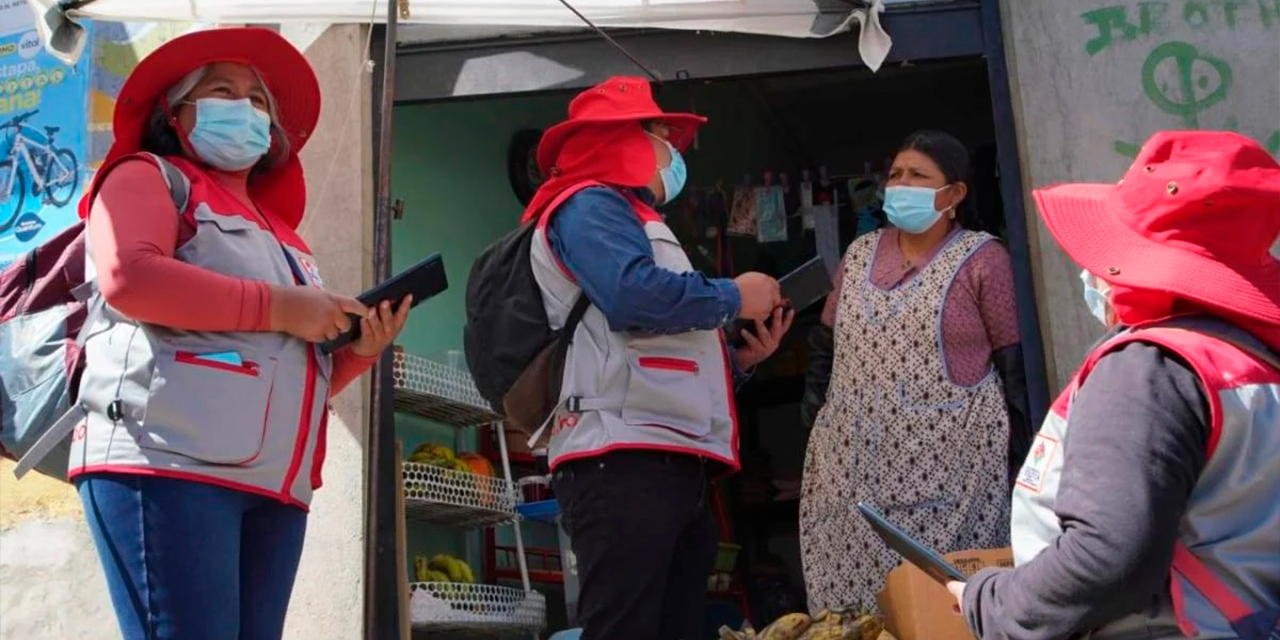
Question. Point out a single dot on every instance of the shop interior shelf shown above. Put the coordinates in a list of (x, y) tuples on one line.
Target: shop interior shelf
[(460, 609), (456, 498), (438, 392)]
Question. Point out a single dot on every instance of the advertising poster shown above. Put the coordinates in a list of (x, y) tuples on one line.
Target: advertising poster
[(43, 139), (115, 50)]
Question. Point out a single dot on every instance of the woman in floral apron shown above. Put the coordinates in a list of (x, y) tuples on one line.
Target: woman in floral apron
[(915, 417)]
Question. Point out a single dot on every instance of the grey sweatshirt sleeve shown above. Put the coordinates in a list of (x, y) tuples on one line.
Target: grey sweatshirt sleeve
[(1137, 444)]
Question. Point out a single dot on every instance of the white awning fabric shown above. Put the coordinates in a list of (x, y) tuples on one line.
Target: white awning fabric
[(64, 37)]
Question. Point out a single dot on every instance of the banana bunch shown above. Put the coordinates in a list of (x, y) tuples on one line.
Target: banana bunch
[(424, 573), (844, 624), (841, 624), (442, 568), (434, 455), (453, 568), (747, 633), (789, 627)]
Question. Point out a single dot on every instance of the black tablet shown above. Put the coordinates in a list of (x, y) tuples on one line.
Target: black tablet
[(422, 280), (928, 560), (804, 286), (807, 284)]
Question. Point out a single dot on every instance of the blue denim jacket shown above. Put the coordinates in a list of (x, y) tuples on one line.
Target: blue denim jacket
[(597, 237)]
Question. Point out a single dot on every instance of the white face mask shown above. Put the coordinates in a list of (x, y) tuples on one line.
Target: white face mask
[(1095, 297)]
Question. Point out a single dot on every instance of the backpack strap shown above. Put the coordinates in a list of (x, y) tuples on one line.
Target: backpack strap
[(49, 440), (178, 183), (563, 340), (179, 186), (180, 191), (575, 316)]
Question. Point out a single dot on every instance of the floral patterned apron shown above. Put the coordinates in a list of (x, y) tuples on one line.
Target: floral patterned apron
[(897, 432)]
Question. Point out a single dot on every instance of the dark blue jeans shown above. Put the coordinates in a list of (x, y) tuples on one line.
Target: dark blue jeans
[(192, 561)]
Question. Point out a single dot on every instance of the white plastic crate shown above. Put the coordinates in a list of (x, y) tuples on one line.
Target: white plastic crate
[(449, 607), (456, 498), (438, 392)]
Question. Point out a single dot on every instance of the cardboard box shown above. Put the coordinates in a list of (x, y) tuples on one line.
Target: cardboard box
[(918, 608)]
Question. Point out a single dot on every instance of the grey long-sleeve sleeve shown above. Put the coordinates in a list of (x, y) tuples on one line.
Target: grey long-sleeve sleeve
[(1137, 443)]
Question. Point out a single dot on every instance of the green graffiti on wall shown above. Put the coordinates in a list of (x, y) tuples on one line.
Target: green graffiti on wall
[(1184, 82), (1179, 78), (1152, 18)]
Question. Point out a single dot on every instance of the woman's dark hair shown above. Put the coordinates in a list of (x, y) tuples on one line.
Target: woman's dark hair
[(159, 137), (953, 159)]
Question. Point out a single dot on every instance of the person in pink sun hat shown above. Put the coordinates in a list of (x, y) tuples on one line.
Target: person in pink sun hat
[(1148, 506)]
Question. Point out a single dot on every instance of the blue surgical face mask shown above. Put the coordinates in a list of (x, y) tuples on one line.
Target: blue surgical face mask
[(673, 175), (911, 208), (231, 135), (1095, 298)]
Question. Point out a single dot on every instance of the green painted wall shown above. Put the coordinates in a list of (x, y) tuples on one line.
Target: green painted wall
[(450, 169)]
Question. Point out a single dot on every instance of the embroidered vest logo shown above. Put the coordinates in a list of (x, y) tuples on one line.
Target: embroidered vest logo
[(312, 271), (567, 421), (1033, 471)]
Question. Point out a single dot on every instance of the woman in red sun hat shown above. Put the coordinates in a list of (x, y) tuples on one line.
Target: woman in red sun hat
[(205, 395), (1148, 506)]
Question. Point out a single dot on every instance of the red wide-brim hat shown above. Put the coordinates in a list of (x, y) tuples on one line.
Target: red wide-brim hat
[(620, 99), (1196, 216), (286, 73)]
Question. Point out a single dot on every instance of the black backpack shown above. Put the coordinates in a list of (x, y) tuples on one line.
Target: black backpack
[(515, 358)]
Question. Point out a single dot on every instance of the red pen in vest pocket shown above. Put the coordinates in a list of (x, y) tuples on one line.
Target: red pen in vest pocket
[(669, 364), (186, 357)]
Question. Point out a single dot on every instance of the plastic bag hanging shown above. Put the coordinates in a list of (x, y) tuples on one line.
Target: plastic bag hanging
[(742, 218), (771, 212)]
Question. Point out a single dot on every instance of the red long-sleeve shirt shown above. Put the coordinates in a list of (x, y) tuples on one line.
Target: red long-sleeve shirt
[(134, 230)]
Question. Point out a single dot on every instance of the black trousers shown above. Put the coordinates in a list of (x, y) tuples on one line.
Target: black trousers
[(641, 527)]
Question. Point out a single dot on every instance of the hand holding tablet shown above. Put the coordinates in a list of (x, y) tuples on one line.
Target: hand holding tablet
[(422, 281), (800, 288)]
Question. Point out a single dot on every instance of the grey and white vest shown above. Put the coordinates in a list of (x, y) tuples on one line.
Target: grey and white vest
[(157, 406), (1228, 548), (670, 393)]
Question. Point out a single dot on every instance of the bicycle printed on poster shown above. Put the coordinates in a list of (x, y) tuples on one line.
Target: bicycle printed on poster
[(43, 136)]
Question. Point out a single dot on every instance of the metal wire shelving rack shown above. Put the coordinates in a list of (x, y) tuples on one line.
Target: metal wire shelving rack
[(433, 494)]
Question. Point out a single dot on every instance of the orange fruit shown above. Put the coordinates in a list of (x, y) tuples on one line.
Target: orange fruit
[(480, 466)]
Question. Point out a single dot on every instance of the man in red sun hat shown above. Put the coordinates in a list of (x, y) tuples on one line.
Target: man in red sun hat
[(1150, 507), (650, 373)]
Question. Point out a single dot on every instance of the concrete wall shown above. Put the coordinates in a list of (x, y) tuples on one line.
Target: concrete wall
[(51, 586), (1093, 79), (328, 599)]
